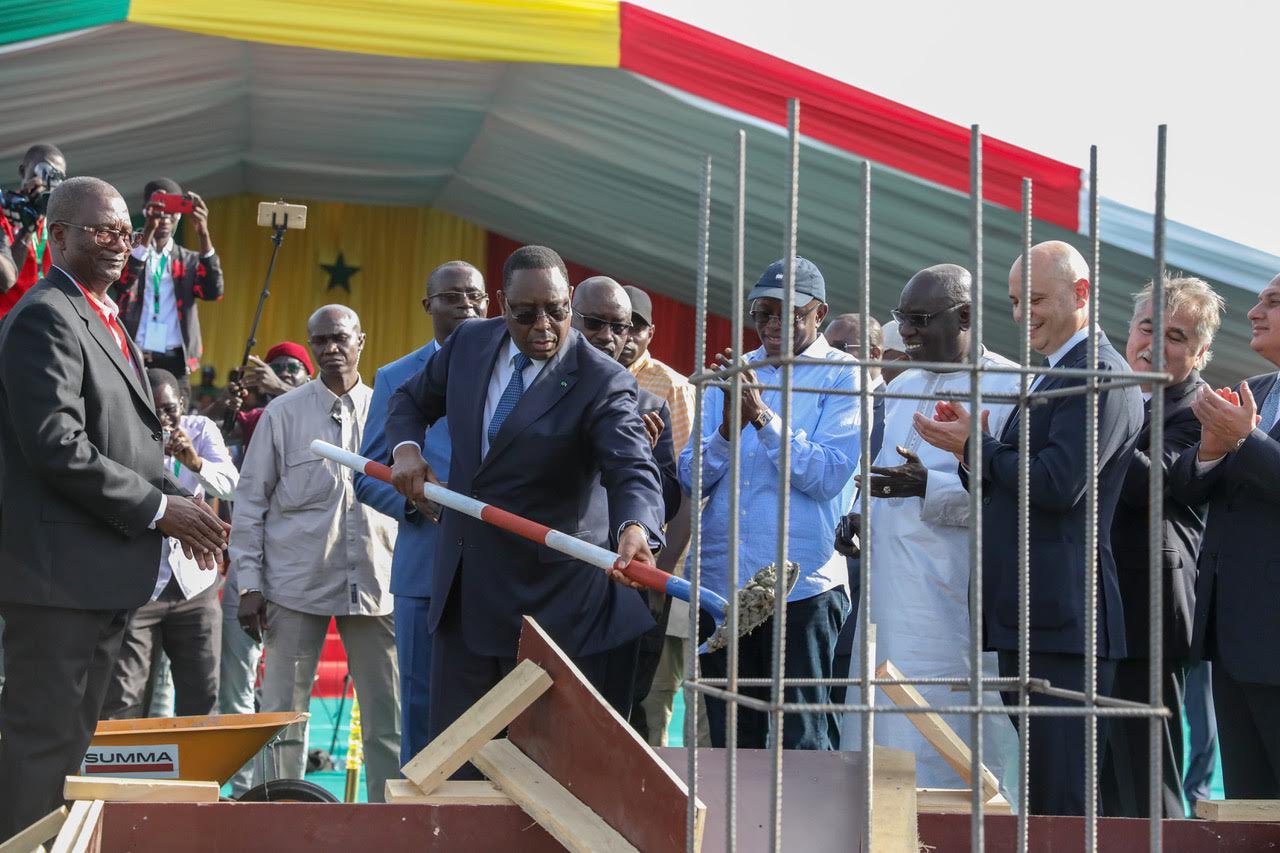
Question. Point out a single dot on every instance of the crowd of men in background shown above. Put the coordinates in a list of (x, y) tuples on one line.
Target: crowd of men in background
[(558, 411)]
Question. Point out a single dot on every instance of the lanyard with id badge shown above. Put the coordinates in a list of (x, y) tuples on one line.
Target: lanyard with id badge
[(157, 334)]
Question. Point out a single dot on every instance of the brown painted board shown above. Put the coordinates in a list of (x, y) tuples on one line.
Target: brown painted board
[(935, 730), (1240, 810), (478, 793), (821, 799), (320, 828), (482, 722), (548, 802), (140, 790), (949, 833), (582, 743), (37, 833)]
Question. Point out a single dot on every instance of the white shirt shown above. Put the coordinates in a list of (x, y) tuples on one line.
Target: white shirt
[(1058, 354), (498, 382), (159, 329)]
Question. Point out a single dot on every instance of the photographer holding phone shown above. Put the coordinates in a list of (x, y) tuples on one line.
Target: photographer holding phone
[(24, 235), (162, 281)]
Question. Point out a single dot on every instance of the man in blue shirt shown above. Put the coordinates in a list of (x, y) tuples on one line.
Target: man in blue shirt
[(455, 293), (823, 435)]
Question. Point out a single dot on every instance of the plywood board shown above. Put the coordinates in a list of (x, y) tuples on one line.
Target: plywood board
[(479, 793), (454, 747), (548, 802), (140, 790), (619, 776), (37, 833), (1239, 810), (941, 736), (893, 801)]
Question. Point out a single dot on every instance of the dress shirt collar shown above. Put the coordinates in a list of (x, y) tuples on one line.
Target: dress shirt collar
[(638, 366), (105, 303), (1058, 354), (818, 350)]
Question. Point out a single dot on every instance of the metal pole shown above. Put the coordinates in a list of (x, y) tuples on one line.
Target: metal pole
[(1155, 543), (977, 829), (1091, 529), (1024, 530), (735, 476), (866, 666), (784, 464), (695, 534)]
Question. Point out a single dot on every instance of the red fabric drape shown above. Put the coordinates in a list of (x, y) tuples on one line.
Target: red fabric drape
[(673, 343), (881, 130)]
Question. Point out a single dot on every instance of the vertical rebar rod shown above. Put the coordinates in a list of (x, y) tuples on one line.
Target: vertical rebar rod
[(784, 464), (695, 534), (866, 665), (1091, 525), (735, 475), (977, 829), (1155, 590), (1024, 527)]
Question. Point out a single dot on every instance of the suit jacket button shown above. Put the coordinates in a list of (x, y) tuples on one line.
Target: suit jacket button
[(155, 436), (459, 543), (986, 499)]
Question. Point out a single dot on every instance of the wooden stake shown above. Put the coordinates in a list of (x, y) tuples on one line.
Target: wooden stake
[(37, 833), (466, 793), (140, 790), (1241, 810)]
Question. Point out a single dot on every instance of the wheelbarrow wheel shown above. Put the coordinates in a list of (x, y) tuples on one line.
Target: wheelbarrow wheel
[(287, 791)]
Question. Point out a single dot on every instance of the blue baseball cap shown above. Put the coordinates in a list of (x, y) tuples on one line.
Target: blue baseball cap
[(809, 282)]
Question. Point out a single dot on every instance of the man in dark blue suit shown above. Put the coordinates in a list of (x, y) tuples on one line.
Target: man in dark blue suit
[(1058, 319), (1236, 468), (543, 425), (1192, 316), (455, 292)]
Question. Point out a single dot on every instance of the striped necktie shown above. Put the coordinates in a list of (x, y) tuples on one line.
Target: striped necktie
[(510, 395)]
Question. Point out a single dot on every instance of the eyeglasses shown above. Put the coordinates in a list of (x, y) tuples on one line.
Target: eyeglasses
[(764, 318), (595, 324), (285, 368), (554, 313), (103, 235), (342, 339), (458, 297), (921, 321)]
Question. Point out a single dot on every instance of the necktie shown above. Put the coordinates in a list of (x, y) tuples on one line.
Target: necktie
[(510, 395), (1269, 407)]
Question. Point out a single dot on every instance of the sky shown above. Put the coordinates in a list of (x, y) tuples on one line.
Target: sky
[(1057, 78)]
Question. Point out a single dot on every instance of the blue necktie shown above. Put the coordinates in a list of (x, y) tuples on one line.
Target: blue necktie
[(510, 396), (1269, 407)]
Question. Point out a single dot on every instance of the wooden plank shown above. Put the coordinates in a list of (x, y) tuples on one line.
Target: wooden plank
[(956, 801), (37, 833), (463, 793), (893, 801), (481, 723), (619, 777), (559, 812), (1239, 810), (935, 730), (140, 790), (71, 826), (89, 838)]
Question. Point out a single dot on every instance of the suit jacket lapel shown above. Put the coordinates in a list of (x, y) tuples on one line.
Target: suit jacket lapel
[(496, 346), (1260, 393), (98, 331), (552, 383)]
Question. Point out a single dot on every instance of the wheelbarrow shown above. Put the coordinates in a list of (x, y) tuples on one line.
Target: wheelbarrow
[(203, 748)]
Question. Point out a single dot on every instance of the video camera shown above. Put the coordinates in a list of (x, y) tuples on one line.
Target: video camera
[(28, 210)]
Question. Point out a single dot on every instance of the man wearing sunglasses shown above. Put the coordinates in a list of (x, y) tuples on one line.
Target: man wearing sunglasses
[(919, 553), (455, 294), (163, 282), (823, 435), (86, 500), (544, 425), (1058, 321)]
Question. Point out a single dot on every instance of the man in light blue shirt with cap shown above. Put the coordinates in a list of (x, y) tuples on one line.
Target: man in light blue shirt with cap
[(823, 434)]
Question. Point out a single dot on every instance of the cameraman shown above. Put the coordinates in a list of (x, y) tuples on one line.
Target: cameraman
[(161, 282), (24, 246)]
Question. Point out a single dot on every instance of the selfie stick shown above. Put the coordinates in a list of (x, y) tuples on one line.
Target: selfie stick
[(277, 237)]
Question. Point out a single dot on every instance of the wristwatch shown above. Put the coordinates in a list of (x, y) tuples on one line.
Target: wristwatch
[(762, 420)]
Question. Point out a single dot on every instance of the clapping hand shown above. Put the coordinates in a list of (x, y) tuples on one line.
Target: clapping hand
[(1226, 417)]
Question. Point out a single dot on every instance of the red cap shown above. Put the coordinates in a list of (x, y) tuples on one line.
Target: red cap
[(292, 350)]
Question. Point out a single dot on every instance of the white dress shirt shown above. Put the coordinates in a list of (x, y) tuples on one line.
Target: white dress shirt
[(159, 329), (498, 381), (1057, 355)]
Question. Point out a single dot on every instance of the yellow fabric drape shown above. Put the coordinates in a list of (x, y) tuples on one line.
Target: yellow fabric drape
[(394, 247), (566, 32)]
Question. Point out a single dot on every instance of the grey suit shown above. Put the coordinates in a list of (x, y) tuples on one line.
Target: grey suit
[(81, 480)]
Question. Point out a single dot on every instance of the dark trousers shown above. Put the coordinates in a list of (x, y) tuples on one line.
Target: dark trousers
[(813, 625), (1249, 732), (413, 649), (1055, 782), (57, 665), (459, 676), (190, 632), (1126, 767), (844, 646), (1202, 728), (649, 653)]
